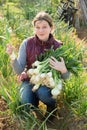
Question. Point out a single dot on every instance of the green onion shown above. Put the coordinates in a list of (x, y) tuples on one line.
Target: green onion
[(43, 74)]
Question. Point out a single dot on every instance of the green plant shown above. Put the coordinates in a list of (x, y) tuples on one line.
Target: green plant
[(75, 94), (2, 2)]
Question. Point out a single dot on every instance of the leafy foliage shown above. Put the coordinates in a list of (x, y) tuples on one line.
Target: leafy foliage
[(71, 53), (75, 94)]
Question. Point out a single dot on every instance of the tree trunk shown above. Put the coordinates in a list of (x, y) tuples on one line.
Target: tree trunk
[(83, 4), (81, 16)]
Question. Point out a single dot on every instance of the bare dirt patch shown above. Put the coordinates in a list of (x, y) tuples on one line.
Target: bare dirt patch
[(82, 33), (7, 122)]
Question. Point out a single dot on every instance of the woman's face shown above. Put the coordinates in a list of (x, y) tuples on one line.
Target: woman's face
[(42, 29)]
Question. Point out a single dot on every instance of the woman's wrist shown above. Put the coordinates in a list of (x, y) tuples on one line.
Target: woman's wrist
[(13, 56), (64, 71)]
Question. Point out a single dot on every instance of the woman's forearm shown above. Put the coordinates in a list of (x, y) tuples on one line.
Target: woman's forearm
[(18, 64)]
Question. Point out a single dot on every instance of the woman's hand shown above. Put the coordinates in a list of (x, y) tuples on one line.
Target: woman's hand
[(22, 76), (58, 65), (10, 49)]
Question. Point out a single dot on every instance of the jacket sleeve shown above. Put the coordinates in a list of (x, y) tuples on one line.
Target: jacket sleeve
[(65, 75), (20, 62)]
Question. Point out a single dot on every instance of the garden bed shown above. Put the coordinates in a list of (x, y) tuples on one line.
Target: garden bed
[(64, 122)]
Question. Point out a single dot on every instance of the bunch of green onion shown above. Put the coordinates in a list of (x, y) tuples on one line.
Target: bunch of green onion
[(42, 74)]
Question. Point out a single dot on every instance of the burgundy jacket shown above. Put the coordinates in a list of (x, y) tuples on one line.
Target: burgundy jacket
[(35, 47)]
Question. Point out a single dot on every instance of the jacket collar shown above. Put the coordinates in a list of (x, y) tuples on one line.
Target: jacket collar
[(49, 41)]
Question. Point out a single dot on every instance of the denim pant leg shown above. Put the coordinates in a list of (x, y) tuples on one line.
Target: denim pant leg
[(27, 96), (44, 94)]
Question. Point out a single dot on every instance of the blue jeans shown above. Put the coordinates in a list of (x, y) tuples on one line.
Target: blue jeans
[(43, 94)]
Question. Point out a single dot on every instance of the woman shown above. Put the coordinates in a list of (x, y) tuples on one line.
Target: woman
[(29, 49)]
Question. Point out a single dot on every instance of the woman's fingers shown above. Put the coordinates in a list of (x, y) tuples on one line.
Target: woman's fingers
[(9, 48), (53, 60), (53, 63), (58, 65), (62, 60)]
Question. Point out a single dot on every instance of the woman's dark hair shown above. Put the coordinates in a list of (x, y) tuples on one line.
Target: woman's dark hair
[(43, 16)]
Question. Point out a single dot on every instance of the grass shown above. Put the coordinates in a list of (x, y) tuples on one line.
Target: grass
[(75, 94)]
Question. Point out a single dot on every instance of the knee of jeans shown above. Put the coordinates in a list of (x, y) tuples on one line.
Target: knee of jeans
[(29, 100), (25, 89), (25, 84), (27, 96), (44, 94)]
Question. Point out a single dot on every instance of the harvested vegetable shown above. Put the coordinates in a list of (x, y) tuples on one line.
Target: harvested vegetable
[(42, 74)]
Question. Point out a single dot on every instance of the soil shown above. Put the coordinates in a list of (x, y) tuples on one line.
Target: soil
[(63, 121), (82, 34)]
